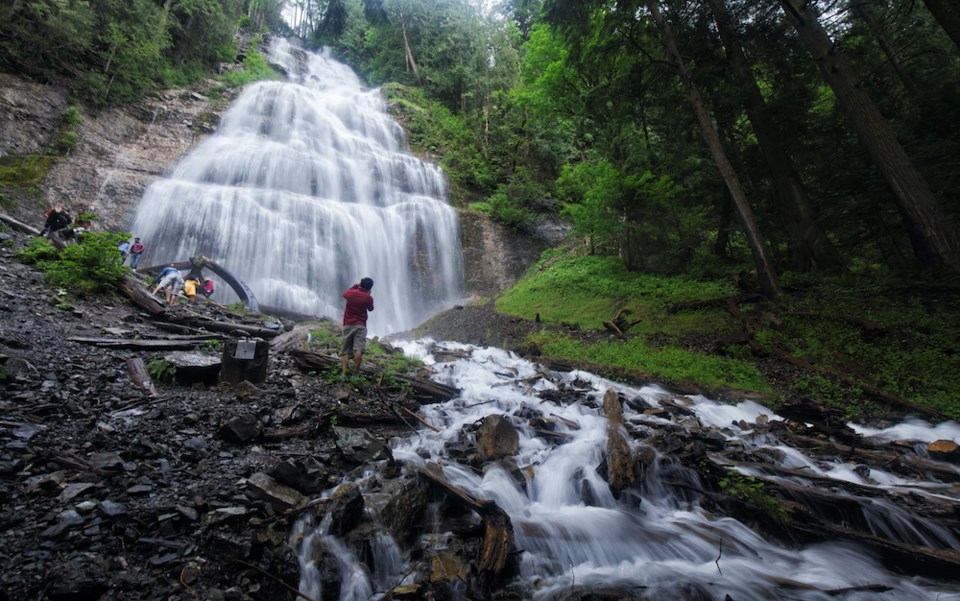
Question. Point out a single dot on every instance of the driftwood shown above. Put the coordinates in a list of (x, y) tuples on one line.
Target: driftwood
[(424, 391), (421, 420), (497, 529), (620, 464), (938, 563), (139, 374)]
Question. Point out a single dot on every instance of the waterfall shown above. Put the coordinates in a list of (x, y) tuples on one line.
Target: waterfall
[(305, 188)]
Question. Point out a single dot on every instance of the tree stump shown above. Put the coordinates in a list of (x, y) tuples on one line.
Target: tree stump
[(244, 359)]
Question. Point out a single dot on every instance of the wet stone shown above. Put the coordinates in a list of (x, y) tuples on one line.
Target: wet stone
[(278, 496)]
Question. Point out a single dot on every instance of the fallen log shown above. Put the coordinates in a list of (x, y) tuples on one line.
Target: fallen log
[(134, 289), (19, 225), (141, 345), (497, 529), (937, 563)]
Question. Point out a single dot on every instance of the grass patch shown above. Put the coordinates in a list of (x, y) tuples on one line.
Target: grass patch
[(25, 170), (665, 363), (585, 291)]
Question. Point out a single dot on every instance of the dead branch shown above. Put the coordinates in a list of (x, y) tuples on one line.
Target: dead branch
[(421, 420)]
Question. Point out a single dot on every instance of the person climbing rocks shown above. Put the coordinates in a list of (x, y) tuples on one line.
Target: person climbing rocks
[(191, 283), (171, 280), (57, 219), (124, 248), (359, 302), (136, 249)]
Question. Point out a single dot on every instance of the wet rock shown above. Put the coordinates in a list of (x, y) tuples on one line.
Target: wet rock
[(359, 445), (944, 450), (306, 475), (241, 429), (345, 509), (278, 496), (402, 514), (497, 438)]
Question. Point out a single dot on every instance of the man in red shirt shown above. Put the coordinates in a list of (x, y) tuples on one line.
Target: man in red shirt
[(359, 302)]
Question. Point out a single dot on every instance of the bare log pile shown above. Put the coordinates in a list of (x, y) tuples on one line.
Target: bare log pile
[(497, 549), (619, 324), (424, 391)]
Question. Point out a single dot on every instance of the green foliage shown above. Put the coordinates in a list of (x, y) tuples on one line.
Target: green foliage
[(62, 300), (751, 491), (585, 290), (255, 68), (162, 371), (72, 117), (38, 251), (434, 130), (114, 51), (88, 267), (67, 141), (213, 346), (25, 170)]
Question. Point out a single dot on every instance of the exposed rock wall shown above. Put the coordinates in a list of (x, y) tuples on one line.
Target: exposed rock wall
[(494, 256), (119, 150)]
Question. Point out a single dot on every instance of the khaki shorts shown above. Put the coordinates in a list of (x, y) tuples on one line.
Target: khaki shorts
[(354, 339)]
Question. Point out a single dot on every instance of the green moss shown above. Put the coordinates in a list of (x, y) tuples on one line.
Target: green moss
[(25, 170)]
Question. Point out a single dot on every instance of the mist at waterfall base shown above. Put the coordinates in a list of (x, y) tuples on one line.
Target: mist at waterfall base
[(304, 189), (574, 535)]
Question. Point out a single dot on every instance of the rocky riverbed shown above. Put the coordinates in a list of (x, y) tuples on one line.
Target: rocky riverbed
[(112, 489)]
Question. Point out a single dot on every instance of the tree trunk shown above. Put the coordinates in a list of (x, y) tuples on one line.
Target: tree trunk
[(863, 11), (758, 246), (809, 244), (933, 235), (407, 52), (947, 18)]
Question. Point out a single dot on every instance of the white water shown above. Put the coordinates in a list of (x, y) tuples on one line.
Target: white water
[(572, 532), (306, 188)]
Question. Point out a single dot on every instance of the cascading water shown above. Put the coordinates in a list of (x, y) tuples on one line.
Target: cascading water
[(306, 188), (660, 542)]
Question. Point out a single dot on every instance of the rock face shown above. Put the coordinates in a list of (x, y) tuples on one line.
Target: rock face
[(119, 150), (494, 256)]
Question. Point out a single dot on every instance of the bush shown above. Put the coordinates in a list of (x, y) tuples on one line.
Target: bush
[(90, 266)]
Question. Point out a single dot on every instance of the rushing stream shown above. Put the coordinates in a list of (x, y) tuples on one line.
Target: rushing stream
[(304, 189), (658, 543)]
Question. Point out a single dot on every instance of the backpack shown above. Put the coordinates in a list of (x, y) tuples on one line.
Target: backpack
[(208, 287)]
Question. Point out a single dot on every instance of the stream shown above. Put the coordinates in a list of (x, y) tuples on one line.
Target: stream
[(660, 541)]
